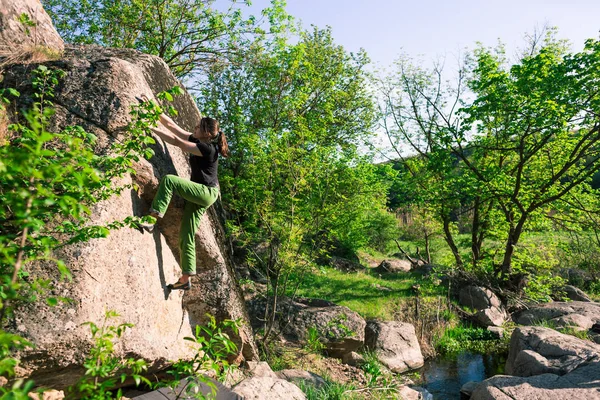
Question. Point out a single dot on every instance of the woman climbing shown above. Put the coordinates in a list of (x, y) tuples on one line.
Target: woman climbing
[(204, 144)]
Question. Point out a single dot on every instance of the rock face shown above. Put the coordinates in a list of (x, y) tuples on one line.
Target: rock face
[(582, 315), (16, 35), (342, 330), (128, 271), (395, 344), (582, 383), (536, 350)]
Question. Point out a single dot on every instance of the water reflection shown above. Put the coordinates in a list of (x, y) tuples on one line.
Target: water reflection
[(443, 377)]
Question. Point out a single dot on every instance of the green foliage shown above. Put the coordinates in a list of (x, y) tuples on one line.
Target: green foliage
[(295, 115), (20, 389), (329, 391), (103, 368), (188, 34), (25, 20), (506, 148), (213, 346), (545, 287), (372, 368), (314, 340), (467, 338)]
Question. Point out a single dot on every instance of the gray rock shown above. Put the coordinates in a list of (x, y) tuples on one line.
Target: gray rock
[(395, 344), (424, 394), (266, 388), (577, 321), (582, 383), (298, 376), (128, 271), (478, 298), (393, 265), (497, 331), (260, 369), (575, 294), (341, 329), (536, 350), (408, 393), (190, 389), (16, 37), (467, 389), (572, 313), (491, 316)]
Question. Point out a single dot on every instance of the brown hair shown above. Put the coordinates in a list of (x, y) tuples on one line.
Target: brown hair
[(211, 126)]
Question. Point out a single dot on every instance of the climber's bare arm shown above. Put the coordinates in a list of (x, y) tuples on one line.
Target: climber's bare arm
[(168, 123), (173, 127), (183, 144)]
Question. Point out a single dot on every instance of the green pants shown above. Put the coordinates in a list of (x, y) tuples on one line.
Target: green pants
[(197, 198)]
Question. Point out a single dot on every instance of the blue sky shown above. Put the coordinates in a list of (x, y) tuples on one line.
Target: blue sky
[(433, 28)]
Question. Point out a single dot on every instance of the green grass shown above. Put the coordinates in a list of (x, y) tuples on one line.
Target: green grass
[(465, 337), (366, 293)]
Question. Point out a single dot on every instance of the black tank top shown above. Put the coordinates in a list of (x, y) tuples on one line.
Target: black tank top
[(204, 169)]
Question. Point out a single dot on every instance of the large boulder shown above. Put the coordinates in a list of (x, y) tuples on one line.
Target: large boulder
[(128, 271), (478, 298), (582, 383), (578, 314), (341, 329), (18, 35), (537, 350), (395, 344)]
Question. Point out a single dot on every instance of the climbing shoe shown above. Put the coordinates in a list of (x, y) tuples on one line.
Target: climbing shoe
[(180, 285), (146, 227)]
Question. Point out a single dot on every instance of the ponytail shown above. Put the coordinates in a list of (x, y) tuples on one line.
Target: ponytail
[(222, 144), (211, 126)]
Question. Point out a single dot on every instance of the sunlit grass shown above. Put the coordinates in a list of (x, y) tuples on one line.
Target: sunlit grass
[(368, 294)]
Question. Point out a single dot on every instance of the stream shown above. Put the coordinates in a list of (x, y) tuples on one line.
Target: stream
[(444, 376)]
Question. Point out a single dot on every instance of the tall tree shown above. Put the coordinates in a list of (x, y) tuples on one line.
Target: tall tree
[(524, 137), (189, 35), (296, 115)]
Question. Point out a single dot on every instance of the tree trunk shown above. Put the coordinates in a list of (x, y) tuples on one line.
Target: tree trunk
[(450, 241), (514, 234)]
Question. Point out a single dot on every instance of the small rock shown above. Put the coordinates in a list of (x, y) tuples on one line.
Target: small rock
[(393, 266), (260, 369), (576, 294), (296, 376), (492, 316), (497, 331), (467, 390), (407, 393), (263, 388), (478, 298)]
